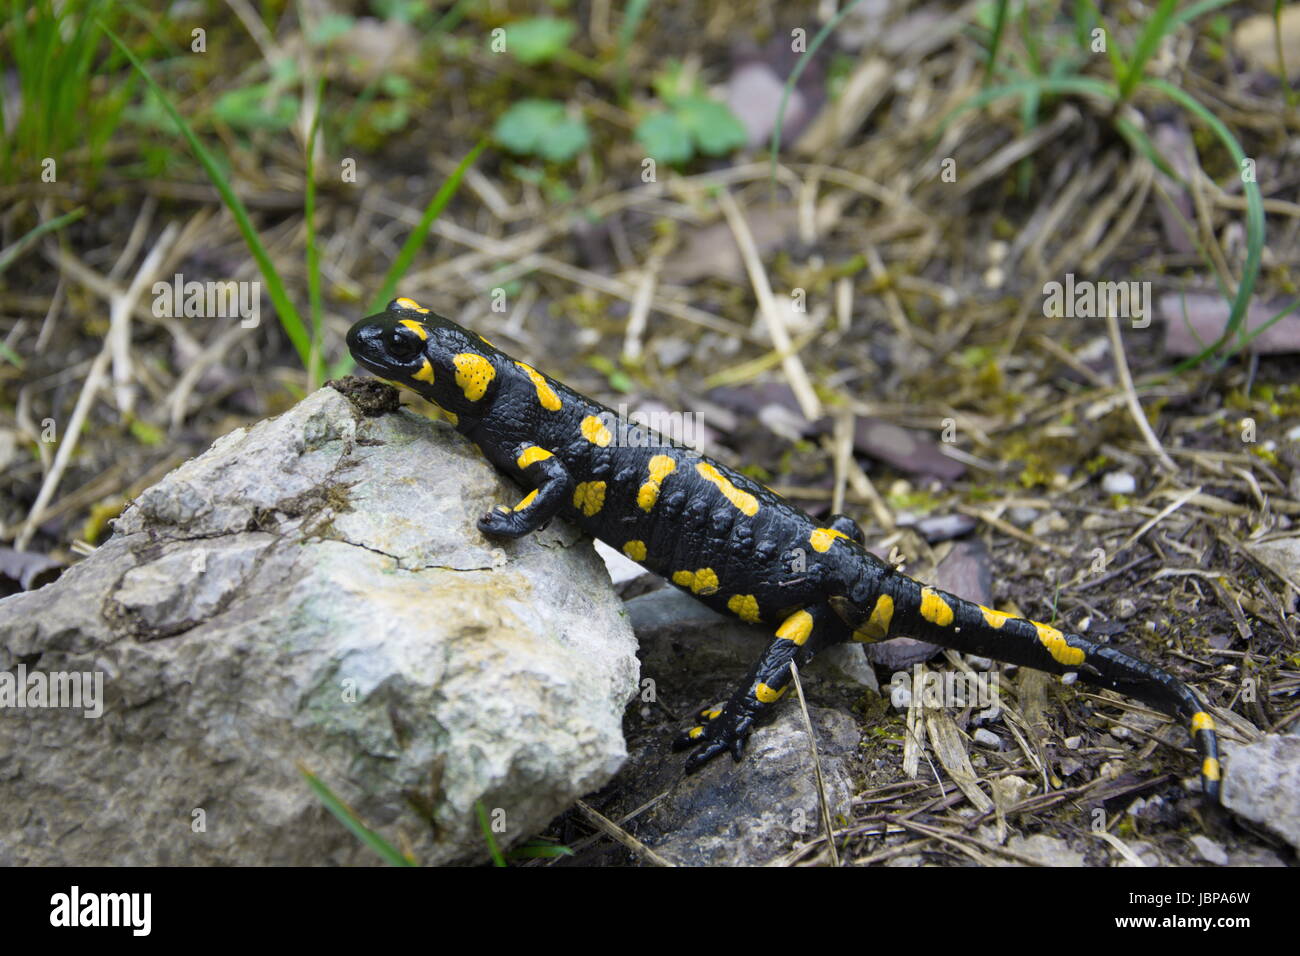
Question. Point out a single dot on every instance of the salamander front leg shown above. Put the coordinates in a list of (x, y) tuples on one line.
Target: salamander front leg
[(553, 488), (797, 639)]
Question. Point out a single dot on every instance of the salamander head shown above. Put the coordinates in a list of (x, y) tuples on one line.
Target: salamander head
[(410, 346)]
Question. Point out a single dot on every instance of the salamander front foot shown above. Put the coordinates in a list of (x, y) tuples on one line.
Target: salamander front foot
[(725, 728)]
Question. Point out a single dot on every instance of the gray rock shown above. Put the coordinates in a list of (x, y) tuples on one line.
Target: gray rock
[(312, 591), (729, 813), (1209, 851), (1046, 849), (1261, 781)]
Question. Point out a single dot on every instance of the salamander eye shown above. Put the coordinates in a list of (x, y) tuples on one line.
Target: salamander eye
[(403, 344)]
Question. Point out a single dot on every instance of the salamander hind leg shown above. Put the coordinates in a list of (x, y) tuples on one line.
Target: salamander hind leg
[(726, 728), (553, 486)]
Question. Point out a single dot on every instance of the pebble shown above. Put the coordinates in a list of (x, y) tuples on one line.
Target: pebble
[(1021, 515), (1210, 851), (1119, 483), (986, 738)]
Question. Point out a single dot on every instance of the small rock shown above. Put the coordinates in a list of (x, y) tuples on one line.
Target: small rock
[(1051, 523), (1261, 781), (1046, 849), (1073, 743), (1125, 608), (1020, 516), (987, 738), (1119, 483), (1210, 851), (672, 352)]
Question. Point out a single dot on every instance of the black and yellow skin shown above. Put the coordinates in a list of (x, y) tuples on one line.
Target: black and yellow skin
[(725, 539)]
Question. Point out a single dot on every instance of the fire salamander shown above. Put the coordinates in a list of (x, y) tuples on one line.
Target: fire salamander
[(721, 537)]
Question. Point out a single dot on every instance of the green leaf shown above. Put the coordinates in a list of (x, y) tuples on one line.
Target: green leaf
[(331, 26), (713, 126), (539, 40), (249, 108), (541, 128), (665, 138)]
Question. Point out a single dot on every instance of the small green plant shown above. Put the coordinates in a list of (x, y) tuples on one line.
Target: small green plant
[(306, 344), (1040, 80), (547, 40), (691, 123), (540, 40), (542, 128), (70, 97)]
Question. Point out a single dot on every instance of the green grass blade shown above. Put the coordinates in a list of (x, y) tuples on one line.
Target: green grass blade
[(498, 859), (349, 819), (1281, 55), (1086, 9), (1196, 10), (1254, 218), (995, 42), (1042, 85), (1160, 24), (416, 239), (1256, 333), (626, 32), (9, 256), (315, 367), (1141, 144), (289, 318), (12, 357), (793, 78)]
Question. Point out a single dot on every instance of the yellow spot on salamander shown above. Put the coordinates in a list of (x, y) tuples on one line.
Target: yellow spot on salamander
[(823, 538), (695, 733), (661, 466), (527, 500), (767, 695), (594, 430), (545, 394), (703, 581), (934, 608), (425, 374), (1056, 645), (745, 607), (635, 550), (531, 455), (876, 627), (406, 303), (995, 619), (589, 497), (797, 627), (1202, 721), (416, 327), (1210, 769), (473, 374), (743, 500)]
